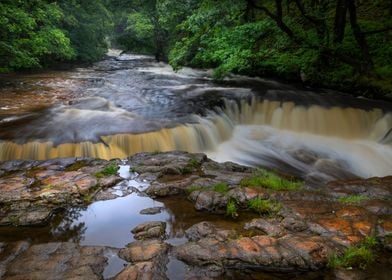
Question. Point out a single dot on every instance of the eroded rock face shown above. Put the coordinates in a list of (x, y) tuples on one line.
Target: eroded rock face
[(54, 261), (31, 190)]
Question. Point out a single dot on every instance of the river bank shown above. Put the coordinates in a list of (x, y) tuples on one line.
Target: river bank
[(81, 213)]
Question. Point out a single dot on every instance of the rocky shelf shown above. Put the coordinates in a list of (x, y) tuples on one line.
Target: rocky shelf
[(289, 230)]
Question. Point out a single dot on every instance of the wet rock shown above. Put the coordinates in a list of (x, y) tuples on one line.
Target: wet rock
[(209, 200), (378, 207), (151, 211), (244, 195), (271, 227), (149, 230), (294, 224), (207, 229), (281, 254), (57, 261), (148, 258), (175, 163), (372, 188), (141, 251), (30, 196)]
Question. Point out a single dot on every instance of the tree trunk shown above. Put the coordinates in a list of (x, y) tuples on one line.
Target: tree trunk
[(340, 21)]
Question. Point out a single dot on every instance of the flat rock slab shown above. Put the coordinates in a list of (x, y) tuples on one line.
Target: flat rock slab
[(56, 261)]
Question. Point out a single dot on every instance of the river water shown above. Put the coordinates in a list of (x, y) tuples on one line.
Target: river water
[(127, 104)]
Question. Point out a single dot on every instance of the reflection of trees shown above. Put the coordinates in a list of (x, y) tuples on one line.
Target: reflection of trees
[(182, 215), (64, 227)]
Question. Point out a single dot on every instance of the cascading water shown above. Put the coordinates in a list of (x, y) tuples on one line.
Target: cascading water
[(314, 141)]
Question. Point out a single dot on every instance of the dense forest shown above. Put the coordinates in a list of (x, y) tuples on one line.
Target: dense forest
[(344, 44)]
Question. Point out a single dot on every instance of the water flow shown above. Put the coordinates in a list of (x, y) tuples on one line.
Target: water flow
[(141, 107)]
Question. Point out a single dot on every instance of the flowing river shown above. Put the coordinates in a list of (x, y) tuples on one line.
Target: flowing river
[(128, 104)]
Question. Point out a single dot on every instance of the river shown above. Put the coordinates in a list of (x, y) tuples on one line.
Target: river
[(127, 104)]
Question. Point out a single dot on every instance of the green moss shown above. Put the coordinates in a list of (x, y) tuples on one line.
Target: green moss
[(48, 187), (269, 180), (264, 206), (357, 256), (109, 170), (76, 166), (352, 199), (221, 187), (231, 209)]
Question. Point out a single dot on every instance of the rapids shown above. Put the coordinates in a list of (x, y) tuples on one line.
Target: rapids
[(128, 104)]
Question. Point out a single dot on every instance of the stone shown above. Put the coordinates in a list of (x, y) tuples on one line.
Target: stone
[(151, 211), (271, 227), (141, 251), (149, 230), (207, 229)]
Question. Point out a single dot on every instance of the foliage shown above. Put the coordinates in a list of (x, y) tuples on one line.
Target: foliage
[(87, 24), (39, 33), (109, 170), (221, 187), (353, 199), (357, 256), (264, 206), (30, 35), (269, 180), (231, 209)]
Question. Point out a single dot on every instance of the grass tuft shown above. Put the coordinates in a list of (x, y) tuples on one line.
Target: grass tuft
[(231, 209), (353, 199), (109, 170), (221, 187), (357, 256), (269, 180), (264, 206)]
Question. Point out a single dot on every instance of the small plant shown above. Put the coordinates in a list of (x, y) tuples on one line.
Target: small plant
[(221, 187), (269, 180), (109, 170), (231, 209), (353, 199), (357, 256), (192, 164), (264, 206)]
